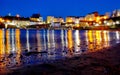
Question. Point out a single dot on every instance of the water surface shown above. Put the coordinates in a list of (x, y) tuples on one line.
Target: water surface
[(20, 47)]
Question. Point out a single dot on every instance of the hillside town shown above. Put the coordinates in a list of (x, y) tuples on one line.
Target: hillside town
[(92, 20)]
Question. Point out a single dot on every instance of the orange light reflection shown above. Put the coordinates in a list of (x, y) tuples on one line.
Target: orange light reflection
[(70, 41)]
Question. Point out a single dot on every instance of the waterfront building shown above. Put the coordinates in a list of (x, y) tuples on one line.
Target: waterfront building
[(55, 21), (58, 19), (70, 21), (1, 20), (16, 21), (90, 17), (50, 19), (36, 17), (77, 22), (116, 13)]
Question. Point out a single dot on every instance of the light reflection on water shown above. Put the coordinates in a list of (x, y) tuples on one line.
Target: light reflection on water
[(23, 47)]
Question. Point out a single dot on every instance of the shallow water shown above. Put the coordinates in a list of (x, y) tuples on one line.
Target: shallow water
[(20, 47)]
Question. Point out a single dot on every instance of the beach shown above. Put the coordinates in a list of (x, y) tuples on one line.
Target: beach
[(102, 62)]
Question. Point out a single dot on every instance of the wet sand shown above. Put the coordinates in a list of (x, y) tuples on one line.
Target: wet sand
[(103, 62)]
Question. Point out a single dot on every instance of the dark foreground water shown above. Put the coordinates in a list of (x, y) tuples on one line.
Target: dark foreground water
[(19, 47)]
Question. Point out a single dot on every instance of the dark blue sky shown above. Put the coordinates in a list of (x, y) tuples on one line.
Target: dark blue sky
[(57, 8)]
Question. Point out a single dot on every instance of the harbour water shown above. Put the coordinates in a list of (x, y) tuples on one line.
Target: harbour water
[(20, 47)]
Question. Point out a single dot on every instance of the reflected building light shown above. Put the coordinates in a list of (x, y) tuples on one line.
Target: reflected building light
[(86, 34), (106, 38), (90, 36), (51, 44), (98, 40), (77, 41), (86, 39), (53, 39), (108, 32), (90, 40), (38, 41), (48, 38), (27, 38), (18, 46), (108, 35), (70, 41), (3, 39), (105, 35), (13, 40), (117, 36), (66, 40), (98, 36), (2, 45), (17, 40), (62, 39), (2, 52), (8, 46), (44, 39)]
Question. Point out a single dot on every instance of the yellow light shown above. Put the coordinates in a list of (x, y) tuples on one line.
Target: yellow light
[(105, 17), (18, 45), (90, 40), (97, 19), (69, 20), (90, 19), (7, 20), (100, 22), (2, 49), (8, 46), (2, 20), (70, 41)]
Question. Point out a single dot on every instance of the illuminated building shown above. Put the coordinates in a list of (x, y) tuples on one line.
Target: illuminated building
[(90, 17), (55, 21), (50, 19), (1, 20), (116, 13), (58, 21), (94, 19), (70, 19), (16, 21), (36, 18)]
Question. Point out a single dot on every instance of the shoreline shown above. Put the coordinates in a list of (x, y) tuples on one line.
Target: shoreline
[(103, 62)]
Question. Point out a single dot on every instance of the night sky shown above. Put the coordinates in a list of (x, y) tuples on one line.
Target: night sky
[(57, 8)]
